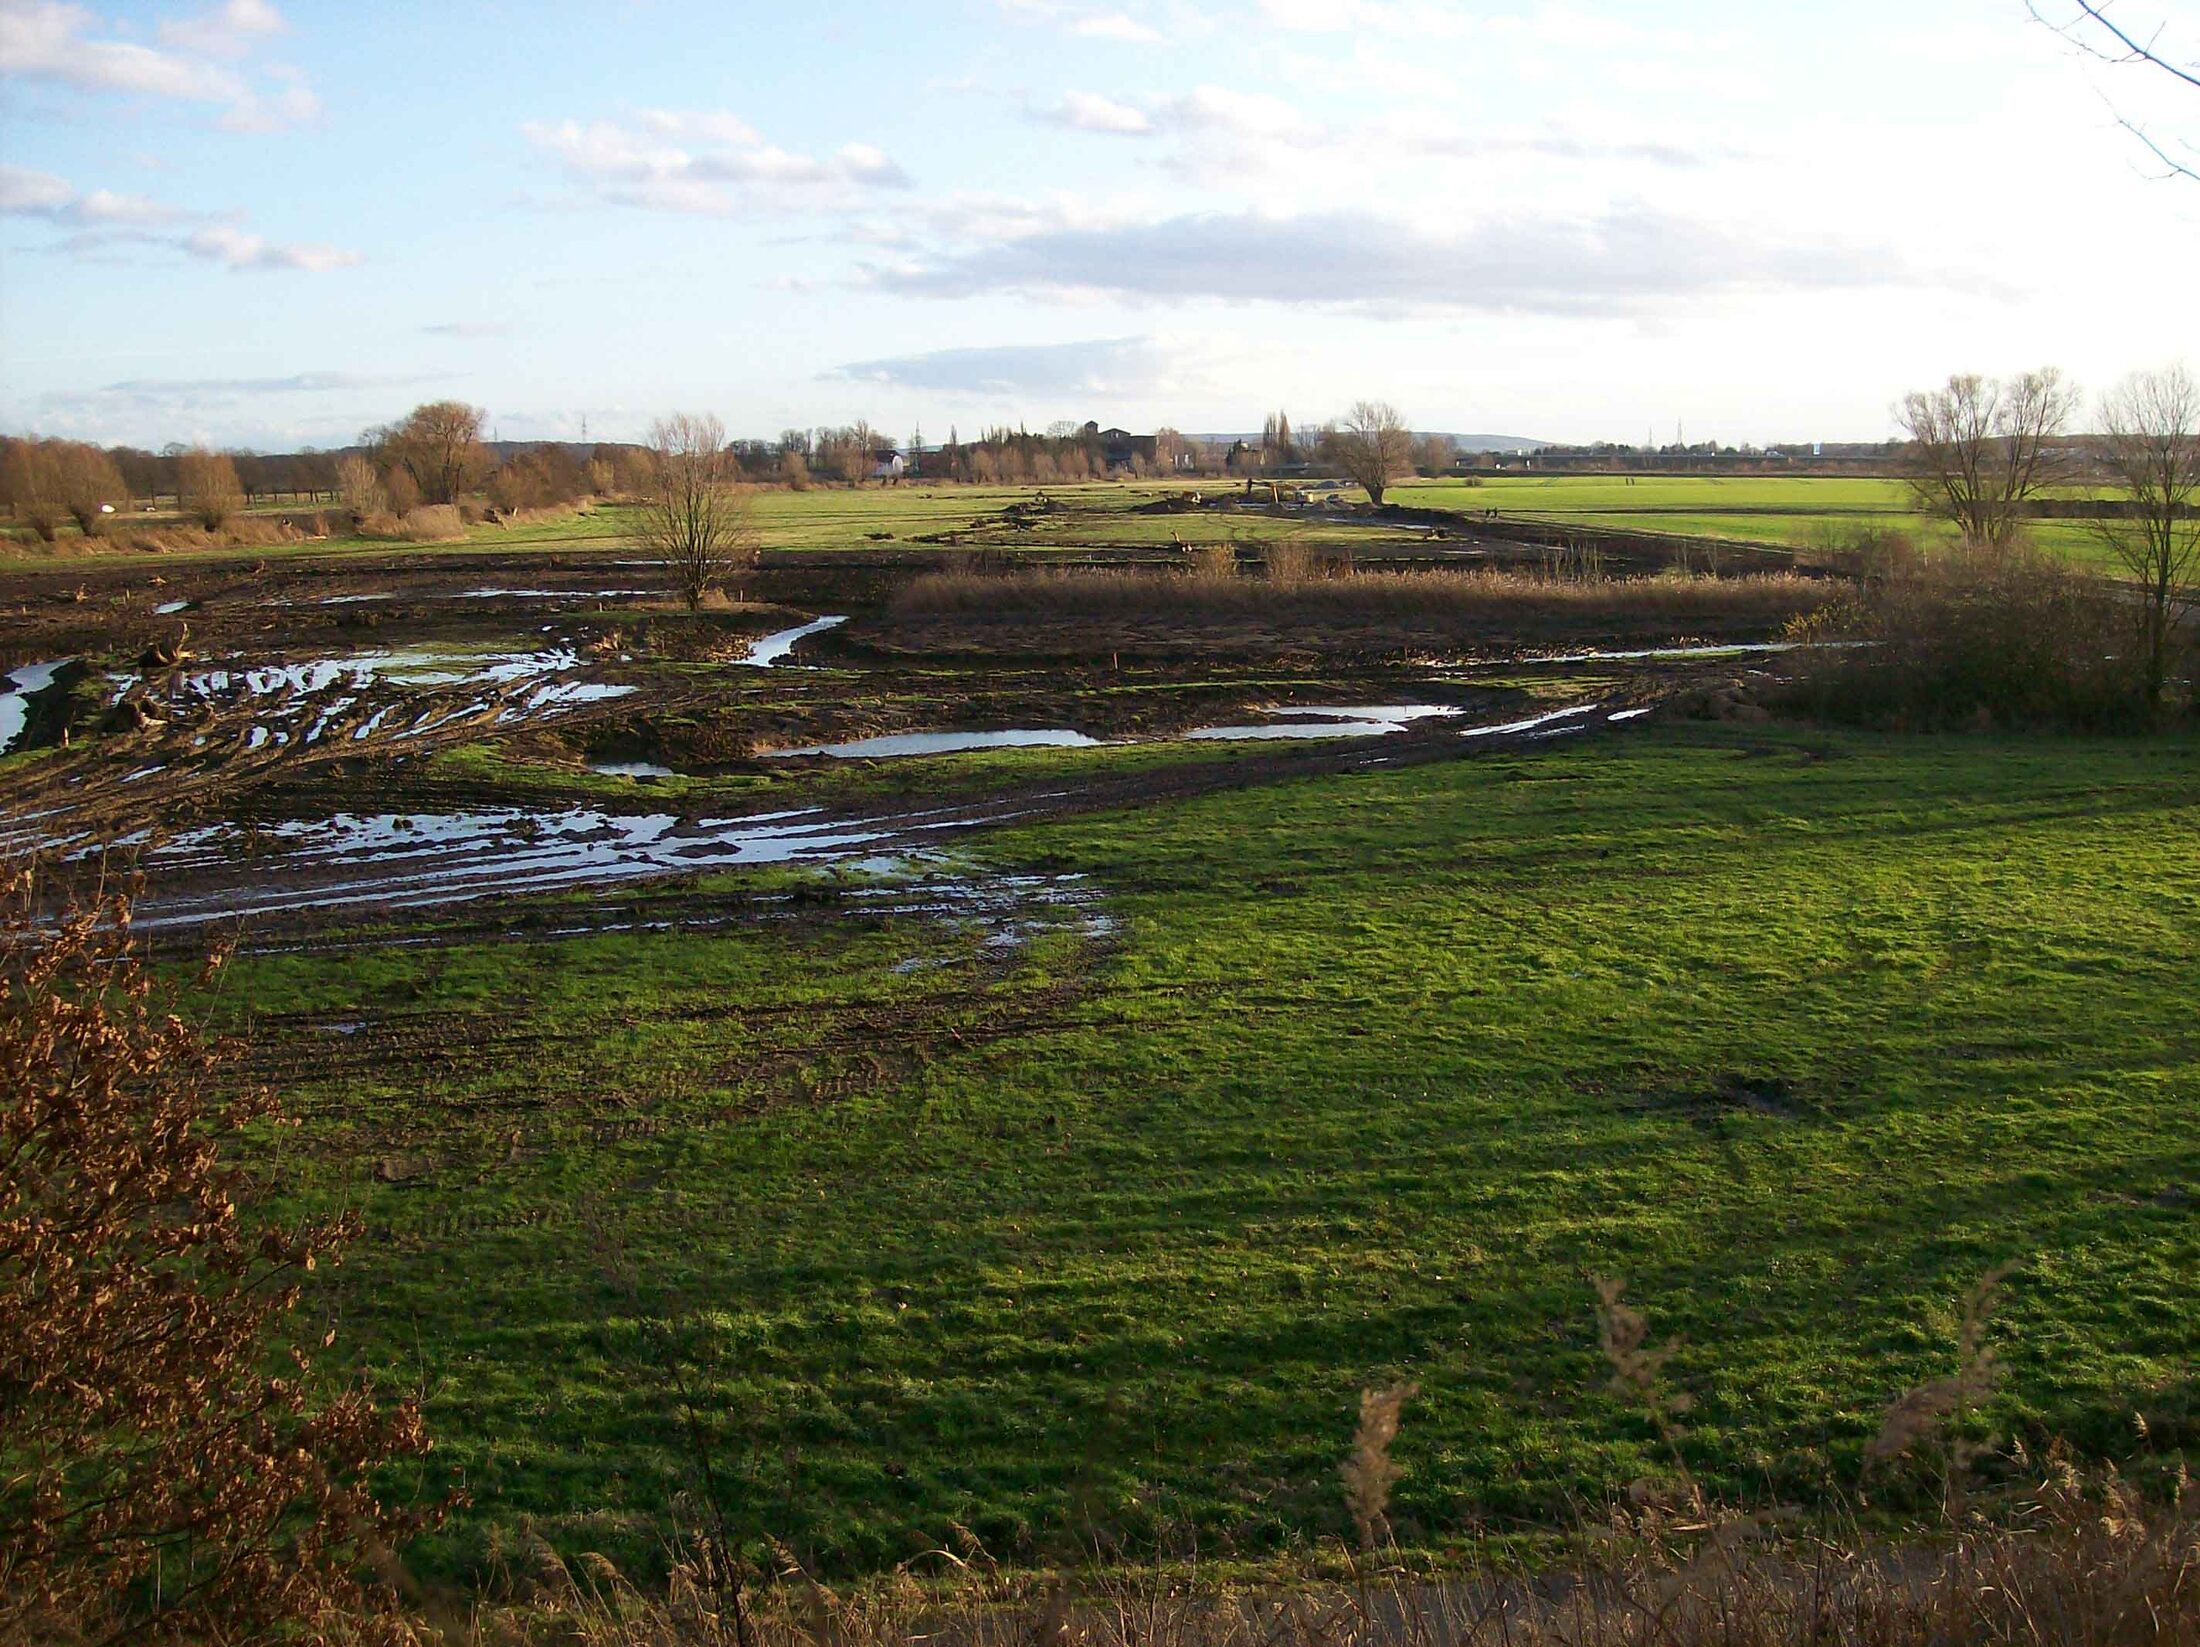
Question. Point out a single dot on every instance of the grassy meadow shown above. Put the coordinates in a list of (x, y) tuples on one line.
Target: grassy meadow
[(1795, 511), (1792, 510), (1094, 1242)]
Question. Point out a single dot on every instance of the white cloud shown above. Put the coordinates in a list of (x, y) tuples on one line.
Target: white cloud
[(1090, 112), (29, 193), (58, 43), (238, 249), (708, 163), (229, 30), (1084, 22), (1114, 25), (297, 383), (1102, 366), (1629, 262), (1112, 368), (104, 220)]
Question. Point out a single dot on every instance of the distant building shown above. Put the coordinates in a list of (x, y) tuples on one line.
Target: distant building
[(888, 464), (1124, 450)]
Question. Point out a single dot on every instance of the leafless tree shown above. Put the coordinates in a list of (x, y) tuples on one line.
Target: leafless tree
[(2151, 432), (207, 487), (2105, 39), (438, 445), (695, 516), (90, 484), (1434, 454), (1982, 447), (30, 475), (359, 487), (1373, 446)]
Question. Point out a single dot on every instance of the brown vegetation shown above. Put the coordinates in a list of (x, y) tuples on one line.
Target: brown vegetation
[(207, 487), (1973, 637), (2152, 425), (695, 517), (1310, 590), (1373, 446), (1982, 448), (161, 1477), (437, 447)]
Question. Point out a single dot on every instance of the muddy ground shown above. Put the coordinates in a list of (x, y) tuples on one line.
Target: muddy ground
[(304, 740)]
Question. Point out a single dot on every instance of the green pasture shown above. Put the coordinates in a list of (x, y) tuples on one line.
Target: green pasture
[(1797, 511), (1094, 1243)]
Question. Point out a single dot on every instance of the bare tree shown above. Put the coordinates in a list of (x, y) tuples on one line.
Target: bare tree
[(2106, 40), (2151, 428), (30, 475), (1983, 447), (1434, 454), (207, 487), (90, 485), (359, 487), (695, 517), (438, 445), (1373, 446)]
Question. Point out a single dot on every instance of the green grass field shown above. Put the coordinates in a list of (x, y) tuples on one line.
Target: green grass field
[(1797, 1032), (1792, 510)]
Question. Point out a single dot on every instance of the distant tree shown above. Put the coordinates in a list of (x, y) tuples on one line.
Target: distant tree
[(1434, 454), (794, 469), (30, 476), (1982, 448), (1373, 446), (207, 487), (439, 446), (144, 474), (1172, 452), (252, 475), (90, 483), (401, 489), (695, 516), (849, 453), (2151, 435), (359, 488)]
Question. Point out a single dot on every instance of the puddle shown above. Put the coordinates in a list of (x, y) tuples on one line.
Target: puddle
[(410, 861), (168, 607), (405, 667), (1297, 729), (1374, 711), (550, 594), (941, 743), (346, 600), (21, 684), (631, 769), (1532, 723), (1365, 720), (775, 648)]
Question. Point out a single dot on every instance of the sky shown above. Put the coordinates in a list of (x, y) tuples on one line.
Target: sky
[(266, 224)]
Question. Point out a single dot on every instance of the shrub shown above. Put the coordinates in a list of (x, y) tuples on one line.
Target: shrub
[(208, 488), (1047, 595), (433, 523), (1968, 637), (1864, 551), (159, 1477)]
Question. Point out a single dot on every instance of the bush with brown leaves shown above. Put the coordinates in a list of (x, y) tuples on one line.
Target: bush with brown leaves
[(167, 1470)]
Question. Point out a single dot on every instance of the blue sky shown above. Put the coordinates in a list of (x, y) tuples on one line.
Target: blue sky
[(269, 222)]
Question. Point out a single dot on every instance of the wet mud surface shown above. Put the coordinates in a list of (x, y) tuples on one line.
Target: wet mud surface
[(282, 748)]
